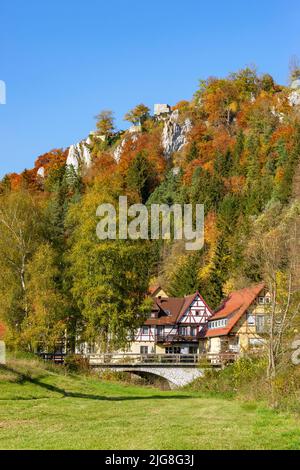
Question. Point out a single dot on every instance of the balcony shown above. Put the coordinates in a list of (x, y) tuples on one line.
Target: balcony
[(176, 338)]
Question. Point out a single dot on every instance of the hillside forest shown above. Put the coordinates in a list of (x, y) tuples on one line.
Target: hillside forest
[(241, 161)]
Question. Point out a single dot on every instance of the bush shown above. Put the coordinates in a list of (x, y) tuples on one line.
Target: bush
[(76, 363), (242, 377)]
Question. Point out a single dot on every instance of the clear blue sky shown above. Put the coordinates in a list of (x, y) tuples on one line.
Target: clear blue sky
[(63, 61)]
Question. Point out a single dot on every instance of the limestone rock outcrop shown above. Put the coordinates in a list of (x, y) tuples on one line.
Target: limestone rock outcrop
[(174, 134), (294, 96), (41, 172), (80, 155), (130, 135), (174, 137)]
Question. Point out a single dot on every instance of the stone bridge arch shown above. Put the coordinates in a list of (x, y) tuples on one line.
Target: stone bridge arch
[(175, 376)]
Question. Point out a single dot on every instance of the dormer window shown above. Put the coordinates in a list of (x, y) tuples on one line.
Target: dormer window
[(217, 323), (168, 312)]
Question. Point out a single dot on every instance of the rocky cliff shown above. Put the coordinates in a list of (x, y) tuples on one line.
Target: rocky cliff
[(174, 137), (79, 154), (294, 96), (174, 134)]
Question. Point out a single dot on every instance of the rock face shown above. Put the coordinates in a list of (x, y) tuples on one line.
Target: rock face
[(174, 135), (294, 96), (118, 150), (132, 135), (79, 155), (41, 172)]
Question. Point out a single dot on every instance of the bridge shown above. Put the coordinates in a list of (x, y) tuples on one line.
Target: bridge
[(177, 369)]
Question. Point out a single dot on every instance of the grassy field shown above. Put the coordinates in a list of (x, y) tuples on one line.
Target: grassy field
[(46, 409)]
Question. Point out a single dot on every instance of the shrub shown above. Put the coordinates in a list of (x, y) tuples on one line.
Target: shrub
[(76, 363), (241, 377)]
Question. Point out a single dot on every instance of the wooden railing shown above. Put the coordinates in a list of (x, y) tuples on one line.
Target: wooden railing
[(175, 337), (58, 358), (119, 359), (132, 359)]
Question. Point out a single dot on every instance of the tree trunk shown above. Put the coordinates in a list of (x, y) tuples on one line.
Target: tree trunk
[(23, 284)]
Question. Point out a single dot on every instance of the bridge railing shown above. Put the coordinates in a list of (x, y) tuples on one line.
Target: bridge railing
[(175, 337), (57, 358), (161, 359)]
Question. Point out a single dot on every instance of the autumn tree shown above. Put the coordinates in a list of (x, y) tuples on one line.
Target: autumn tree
[(294, 67), (109, 277), (21, 232), (105, 123), (64, 185), (273, 248), (51, 161), (44, 326), (138, 114), (246, 81), (219, 99)]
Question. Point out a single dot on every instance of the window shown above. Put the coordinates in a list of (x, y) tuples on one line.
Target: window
[(200, 311), (250, 319), (145, 330), (194, 331), (182, 330), (267, 300), (218, 323), (173, 350), (261, 300), (143, 349), (260, 324), (160, 331), (91, 348)]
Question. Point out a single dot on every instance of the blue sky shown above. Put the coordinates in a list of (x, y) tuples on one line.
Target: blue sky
[(63, 61)]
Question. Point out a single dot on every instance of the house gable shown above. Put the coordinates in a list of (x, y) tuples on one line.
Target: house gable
[(157, 291), (197, 312), (183, 316), (232, 310)]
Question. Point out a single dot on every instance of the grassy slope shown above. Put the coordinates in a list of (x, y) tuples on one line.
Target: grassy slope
[(44, 409)]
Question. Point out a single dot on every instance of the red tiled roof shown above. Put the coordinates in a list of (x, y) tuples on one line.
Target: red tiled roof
[(154, 288), (2, 331), (168, 310), (171, 309), (233, 308)]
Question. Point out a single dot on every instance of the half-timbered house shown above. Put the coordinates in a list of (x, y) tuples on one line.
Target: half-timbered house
[(241, 321), (176, 325)]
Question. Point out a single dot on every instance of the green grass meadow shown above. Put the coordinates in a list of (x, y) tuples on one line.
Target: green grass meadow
[(47, 409)]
